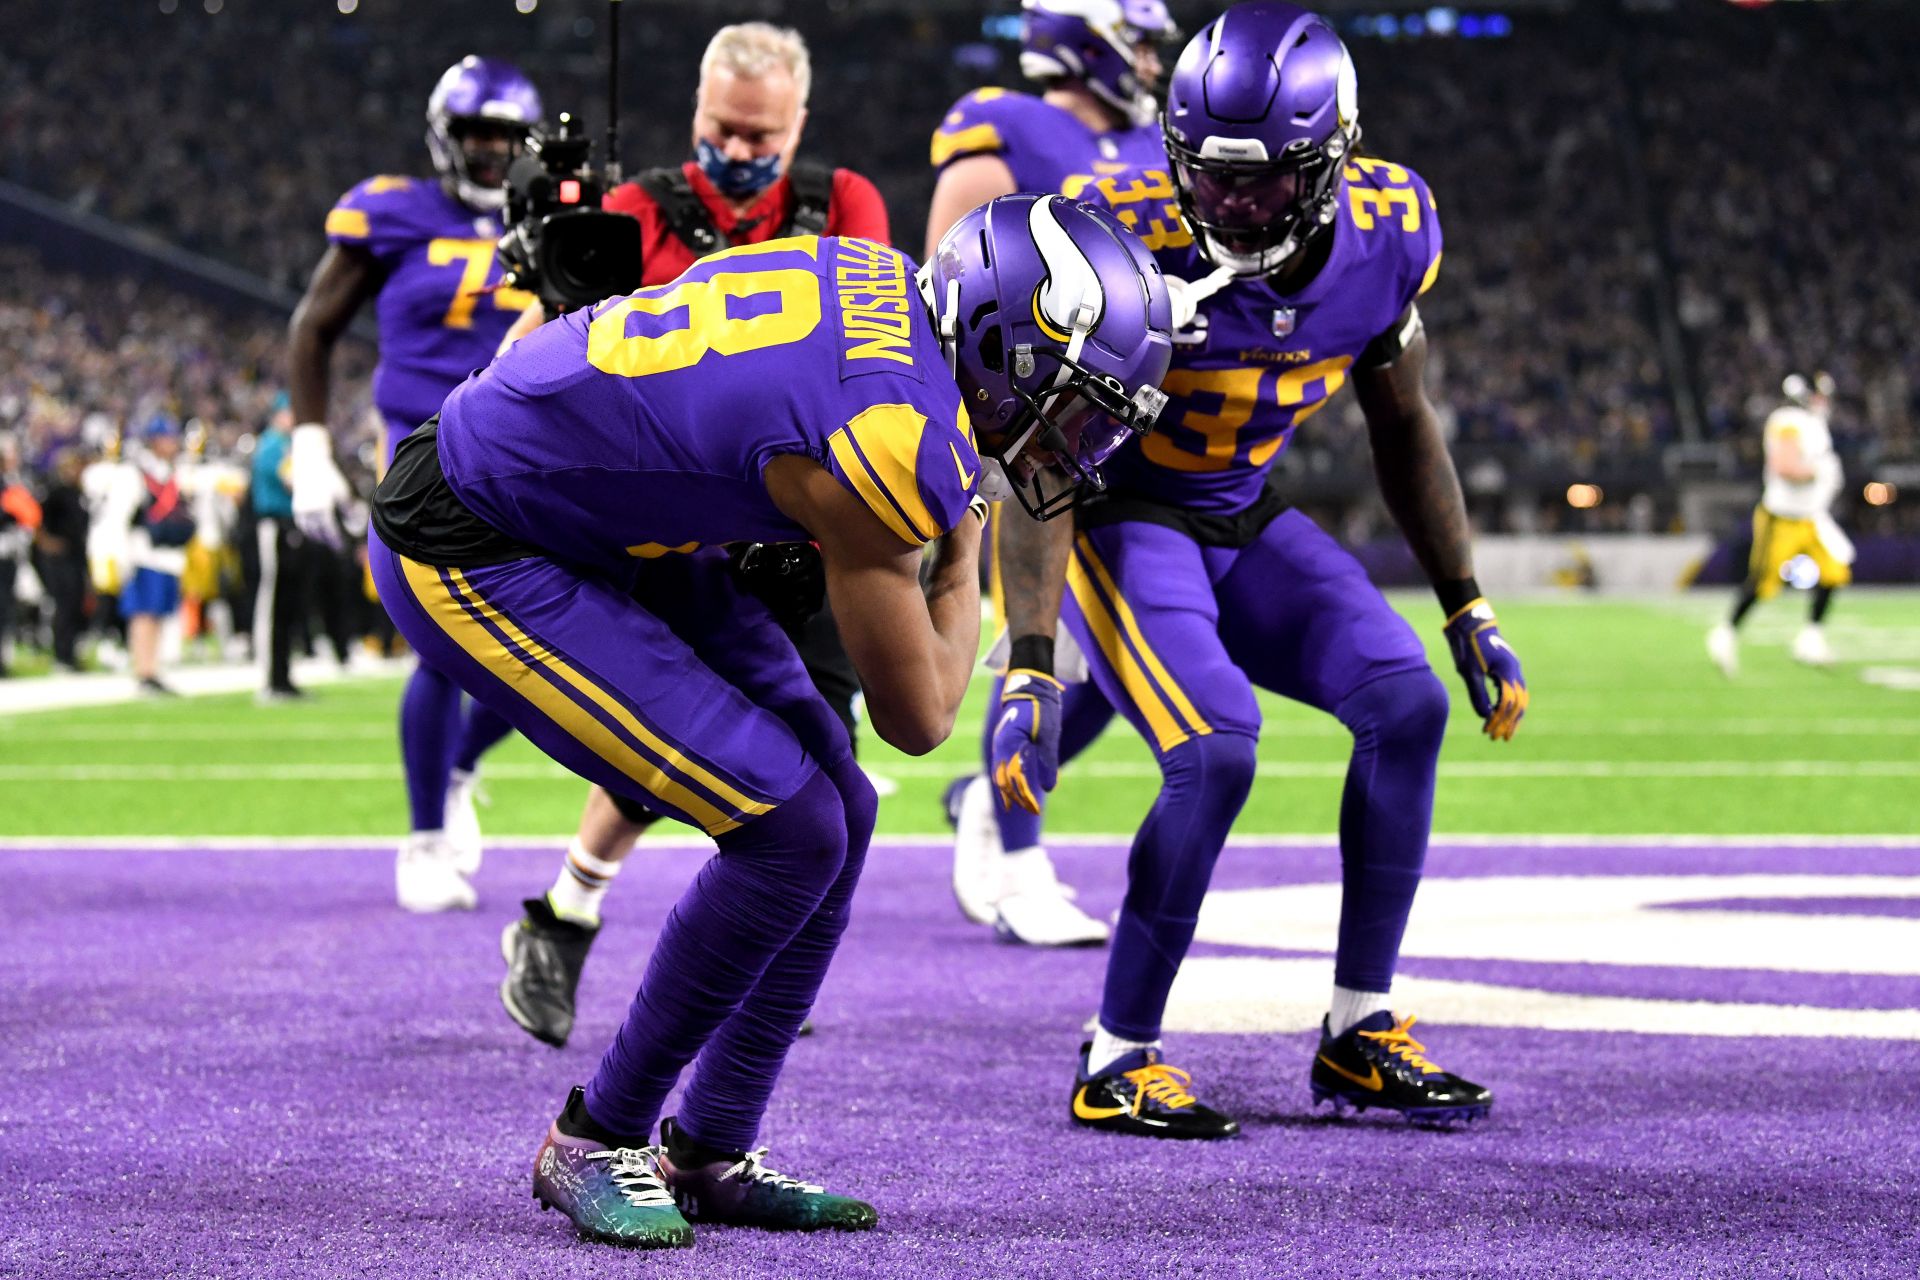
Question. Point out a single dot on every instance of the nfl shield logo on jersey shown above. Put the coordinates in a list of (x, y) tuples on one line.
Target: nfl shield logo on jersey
[(1283, 322)]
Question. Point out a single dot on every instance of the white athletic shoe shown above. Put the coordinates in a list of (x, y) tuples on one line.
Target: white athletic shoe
[(1811, 647), (1037, 910), (977, 854), (427, 878), (1724, 648), (463, 820)]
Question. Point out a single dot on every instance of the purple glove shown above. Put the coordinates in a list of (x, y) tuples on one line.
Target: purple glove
[(1473, 633), (1026, 741)]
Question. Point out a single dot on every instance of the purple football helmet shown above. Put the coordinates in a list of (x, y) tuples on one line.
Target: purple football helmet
[(1057, 326), (1094, 42), (1262, 112), (479, 93)]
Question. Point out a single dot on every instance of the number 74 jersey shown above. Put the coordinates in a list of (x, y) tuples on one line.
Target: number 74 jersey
[(1255, 363), (640, 426)]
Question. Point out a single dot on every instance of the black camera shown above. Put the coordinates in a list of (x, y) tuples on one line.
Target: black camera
[(560, 244)]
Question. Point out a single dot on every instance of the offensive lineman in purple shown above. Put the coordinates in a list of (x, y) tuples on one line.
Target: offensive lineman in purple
[(422, 250), (548, 541), (1189, 583)]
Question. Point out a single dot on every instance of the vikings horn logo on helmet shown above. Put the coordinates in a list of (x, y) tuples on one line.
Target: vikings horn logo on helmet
[(1069, 301)]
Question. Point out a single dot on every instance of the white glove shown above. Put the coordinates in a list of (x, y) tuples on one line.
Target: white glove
[(1187, 295), (318, 487)]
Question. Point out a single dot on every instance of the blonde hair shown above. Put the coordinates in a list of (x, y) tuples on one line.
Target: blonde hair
[(752, 49)]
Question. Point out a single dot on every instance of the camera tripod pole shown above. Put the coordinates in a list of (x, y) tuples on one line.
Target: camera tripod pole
[(613, 92)]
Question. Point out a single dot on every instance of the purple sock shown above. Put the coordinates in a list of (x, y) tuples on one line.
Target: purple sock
[(1084, 713), (429, 725), (482, 728), (1204, 784), (735, 1074), (1386, 814), (744, 908)]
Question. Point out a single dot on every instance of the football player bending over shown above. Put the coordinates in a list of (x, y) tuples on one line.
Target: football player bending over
[(1189, 583), (551, 542)]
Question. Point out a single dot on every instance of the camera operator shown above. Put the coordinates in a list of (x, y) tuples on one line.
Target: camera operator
[(743, 186)]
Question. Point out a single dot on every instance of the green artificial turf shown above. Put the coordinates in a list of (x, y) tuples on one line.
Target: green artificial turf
[(1631, 732)]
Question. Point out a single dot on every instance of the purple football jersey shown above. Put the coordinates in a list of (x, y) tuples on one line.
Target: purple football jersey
[(1255, 364), (442, 313), (640, 426), (1047, 147)]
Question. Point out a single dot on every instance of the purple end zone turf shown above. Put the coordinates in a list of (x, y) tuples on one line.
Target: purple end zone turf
[(252, 1064)]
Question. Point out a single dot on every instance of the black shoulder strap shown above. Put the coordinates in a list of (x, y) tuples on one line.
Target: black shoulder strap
[(812, 199), (685, 215)]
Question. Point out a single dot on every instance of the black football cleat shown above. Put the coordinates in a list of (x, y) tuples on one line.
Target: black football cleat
[(1143, 1096), (1377, 1064), (544, 956)]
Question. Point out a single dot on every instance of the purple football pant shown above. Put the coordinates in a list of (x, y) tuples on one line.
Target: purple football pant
[(1178, 635), (439, 730), (686, 696)]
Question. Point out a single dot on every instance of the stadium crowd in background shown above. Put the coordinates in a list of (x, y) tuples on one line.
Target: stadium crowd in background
[(1595, 175)]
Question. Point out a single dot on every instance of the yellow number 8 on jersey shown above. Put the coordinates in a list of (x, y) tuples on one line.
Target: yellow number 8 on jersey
[(709, 327)]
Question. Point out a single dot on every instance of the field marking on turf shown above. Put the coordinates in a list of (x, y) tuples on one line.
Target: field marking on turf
[(1117, 769), (1326, 841), (1253, 994)]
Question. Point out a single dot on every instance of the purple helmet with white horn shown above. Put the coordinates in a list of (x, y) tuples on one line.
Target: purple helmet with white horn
[(1056, 324), (478, 95), (1095, 42), (1262, 113)]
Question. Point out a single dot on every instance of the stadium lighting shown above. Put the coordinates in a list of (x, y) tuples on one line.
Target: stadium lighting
[(213, 6), (1584, 496), (526, 6), (169, 6), (1879, 493), (347, 6)]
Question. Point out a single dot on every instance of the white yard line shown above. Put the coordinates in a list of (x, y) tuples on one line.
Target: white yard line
[(65, 692)]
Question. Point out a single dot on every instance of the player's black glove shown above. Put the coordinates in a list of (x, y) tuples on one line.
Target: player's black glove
[(788, 577)]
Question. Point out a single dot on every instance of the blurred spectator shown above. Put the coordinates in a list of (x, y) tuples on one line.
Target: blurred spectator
[(61, 557), (19, 521), (160, 527)]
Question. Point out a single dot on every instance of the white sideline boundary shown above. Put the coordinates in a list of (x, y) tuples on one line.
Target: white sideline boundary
[(943, 843)]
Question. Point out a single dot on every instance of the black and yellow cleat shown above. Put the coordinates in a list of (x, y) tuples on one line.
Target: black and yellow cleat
[(1378, 1064), (1142, 1095)]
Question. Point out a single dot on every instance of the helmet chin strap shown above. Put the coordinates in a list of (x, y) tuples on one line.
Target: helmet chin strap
[(481, 199), (946, 320)]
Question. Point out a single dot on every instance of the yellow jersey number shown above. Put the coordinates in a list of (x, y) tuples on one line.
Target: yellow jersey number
[(476, 260), (709, 327), (1238, 391), (1369, 205), (1146, 206)]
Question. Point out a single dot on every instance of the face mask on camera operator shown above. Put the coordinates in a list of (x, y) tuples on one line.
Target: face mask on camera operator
[(748, 114)]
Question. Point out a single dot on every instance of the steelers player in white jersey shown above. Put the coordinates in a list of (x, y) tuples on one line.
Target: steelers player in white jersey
[(1795, 539)]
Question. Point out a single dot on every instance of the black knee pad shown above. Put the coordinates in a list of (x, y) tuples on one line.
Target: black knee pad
[(633, 811)]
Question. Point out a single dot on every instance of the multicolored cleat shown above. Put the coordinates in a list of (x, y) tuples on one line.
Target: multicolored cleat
[(737, 1189), (615, 1195), (1378, 1064), (1141, 1095)]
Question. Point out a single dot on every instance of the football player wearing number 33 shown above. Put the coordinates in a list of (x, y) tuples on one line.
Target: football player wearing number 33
[(551, 541), (1295, 265)]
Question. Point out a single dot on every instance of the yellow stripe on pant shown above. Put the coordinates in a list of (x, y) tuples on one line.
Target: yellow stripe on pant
[(447, 607), (1106, 625)]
